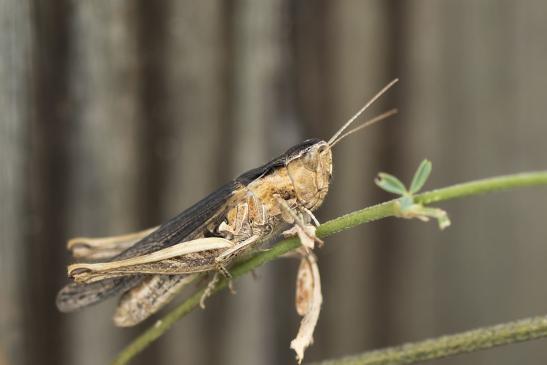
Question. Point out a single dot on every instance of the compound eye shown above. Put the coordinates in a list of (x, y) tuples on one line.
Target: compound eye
[(310, 161)]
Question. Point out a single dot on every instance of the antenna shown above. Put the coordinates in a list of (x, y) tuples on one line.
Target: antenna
[(365, 107)]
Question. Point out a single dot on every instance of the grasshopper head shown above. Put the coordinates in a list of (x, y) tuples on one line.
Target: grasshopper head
[(310, 171), (310, 163)]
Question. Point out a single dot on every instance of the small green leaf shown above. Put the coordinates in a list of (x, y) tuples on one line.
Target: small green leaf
[(421, 176), (390, 183), (406, 202)]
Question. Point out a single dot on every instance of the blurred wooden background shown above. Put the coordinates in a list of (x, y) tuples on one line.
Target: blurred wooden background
[(116, 115)]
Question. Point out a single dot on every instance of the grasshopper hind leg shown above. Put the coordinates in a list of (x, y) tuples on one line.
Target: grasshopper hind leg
[(147, 298), (220, 264), (102, 248), (221, 272), (209, 289)]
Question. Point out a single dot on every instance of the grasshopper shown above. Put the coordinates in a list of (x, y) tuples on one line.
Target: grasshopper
[(150, 267)]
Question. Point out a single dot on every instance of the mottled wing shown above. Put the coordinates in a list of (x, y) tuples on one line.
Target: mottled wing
[(185, 225), (178, 229), (74, 296), (181, 228)]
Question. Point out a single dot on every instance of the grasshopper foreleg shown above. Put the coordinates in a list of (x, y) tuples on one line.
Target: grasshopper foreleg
[(312, 217), (302, 228)]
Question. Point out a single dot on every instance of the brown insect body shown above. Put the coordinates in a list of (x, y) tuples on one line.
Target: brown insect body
[(151, 267), (300, 178), (302, 181)]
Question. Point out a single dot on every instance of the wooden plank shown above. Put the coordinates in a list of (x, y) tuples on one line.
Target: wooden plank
[(186, 112), (256, 67), (47, 184), (104, 151), (357, 55), (15, 105), (467, 70), (118, 115)]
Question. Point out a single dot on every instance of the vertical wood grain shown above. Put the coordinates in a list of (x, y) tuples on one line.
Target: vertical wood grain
[(118, 115), (464, 100), (47, 182), (185, 113), (254, 111), (16, 46), (357, 52), (104, 150)]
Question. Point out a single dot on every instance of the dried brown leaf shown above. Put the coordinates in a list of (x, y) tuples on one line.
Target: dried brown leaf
[(308, 304), (304, 287)]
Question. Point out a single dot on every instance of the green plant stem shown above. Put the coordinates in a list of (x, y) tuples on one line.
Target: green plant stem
[(342, 223), (469, 341)]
